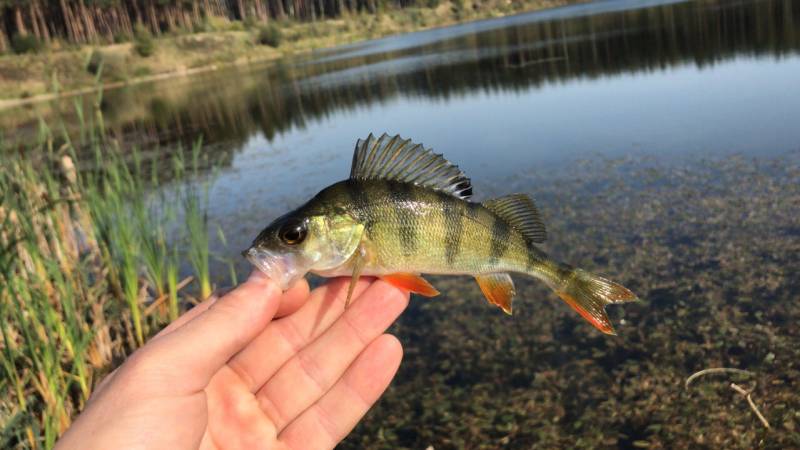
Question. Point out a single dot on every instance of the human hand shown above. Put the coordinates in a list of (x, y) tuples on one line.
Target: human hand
[(256, 368)]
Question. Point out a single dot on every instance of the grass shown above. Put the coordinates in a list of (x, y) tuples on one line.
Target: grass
[(89, 268)]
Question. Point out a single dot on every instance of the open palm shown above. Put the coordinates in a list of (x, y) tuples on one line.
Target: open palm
[(255, 369)]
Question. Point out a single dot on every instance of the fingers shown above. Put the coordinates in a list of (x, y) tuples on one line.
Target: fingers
[(293, 298), (314, 369), (285, 337), (330, 419), (188, 316), (204, 344)]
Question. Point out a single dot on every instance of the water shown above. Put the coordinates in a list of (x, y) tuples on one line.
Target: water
[(505, 96), (660, 140)]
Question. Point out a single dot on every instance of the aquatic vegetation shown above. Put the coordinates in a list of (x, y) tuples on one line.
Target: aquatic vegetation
[(89, 268)]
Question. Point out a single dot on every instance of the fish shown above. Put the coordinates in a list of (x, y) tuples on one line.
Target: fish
[(405, 211)]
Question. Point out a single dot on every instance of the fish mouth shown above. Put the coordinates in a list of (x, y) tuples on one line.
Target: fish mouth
[(279, 267)]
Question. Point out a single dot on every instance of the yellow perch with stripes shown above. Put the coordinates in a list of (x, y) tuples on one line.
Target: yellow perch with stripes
[(406, 211)]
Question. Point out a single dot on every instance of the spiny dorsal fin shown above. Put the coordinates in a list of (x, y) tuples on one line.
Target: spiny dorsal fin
[(398, 159), (520, 212)]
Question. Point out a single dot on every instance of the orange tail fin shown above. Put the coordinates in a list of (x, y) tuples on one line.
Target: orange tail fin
[(588, 294)]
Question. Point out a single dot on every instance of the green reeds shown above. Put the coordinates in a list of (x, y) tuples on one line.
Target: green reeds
[(195, 204), (89, 268)]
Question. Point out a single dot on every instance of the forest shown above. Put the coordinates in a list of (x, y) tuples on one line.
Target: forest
[(31, 23)]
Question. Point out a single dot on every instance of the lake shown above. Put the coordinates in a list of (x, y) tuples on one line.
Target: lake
[(661, 142)]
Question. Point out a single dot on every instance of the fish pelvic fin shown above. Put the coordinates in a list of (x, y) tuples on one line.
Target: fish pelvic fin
[(519, 211), (498, 289), (412, 283), (588, 294)]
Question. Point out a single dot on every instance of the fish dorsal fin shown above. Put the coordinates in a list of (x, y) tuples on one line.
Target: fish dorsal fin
[(398, 159), (521, 213)]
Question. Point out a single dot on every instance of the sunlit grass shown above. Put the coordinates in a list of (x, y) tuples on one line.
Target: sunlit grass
[(89, 268)]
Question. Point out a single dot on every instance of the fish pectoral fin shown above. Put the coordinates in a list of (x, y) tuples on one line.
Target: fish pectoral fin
[(412, 283), (498, 289), (359, 261)]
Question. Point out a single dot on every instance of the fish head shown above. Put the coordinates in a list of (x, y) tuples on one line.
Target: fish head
[(303, 241)]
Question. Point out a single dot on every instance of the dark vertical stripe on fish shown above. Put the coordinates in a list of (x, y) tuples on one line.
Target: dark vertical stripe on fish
[(532, 258), (405, 216), (360, 201), (454, 220), (500, 236)]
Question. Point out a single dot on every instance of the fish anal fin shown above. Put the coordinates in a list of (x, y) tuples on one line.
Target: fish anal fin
[(412, 283), (498, 288), (397, 159), (519, 211)]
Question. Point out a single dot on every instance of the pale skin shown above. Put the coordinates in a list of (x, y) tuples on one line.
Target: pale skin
[(256, 368)]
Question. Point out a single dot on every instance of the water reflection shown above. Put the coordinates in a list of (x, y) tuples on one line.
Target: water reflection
[(513, 55)]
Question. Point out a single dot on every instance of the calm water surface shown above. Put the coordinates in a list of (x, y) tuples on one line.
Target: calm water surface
[(532, 92), (661, 140)]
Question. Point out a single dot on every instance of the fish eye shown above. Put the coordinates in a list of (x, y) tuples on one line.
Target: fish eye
[(293, 233)]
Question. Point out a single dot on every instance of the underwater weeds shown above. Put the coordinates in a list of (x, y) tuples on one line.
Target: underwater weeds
[(87, 270)]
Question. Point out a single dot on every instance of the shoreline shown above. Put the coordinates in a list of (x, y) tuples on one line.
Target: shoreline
[(304, 38), (39, 98)]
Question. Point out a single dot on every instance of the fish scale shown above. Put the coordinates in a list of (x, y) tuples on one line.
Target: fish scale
[(405, 211)]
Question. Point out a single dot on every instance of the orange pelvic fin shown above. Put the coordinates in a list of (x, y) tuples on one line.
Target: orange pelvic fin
[(498, 289), (412, 283)]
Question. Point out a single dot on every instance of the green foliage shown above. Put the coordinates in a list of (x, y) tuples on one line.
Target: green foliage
[(143, 42), (122, 37), (26, 44), (270, 35), (249, 22)]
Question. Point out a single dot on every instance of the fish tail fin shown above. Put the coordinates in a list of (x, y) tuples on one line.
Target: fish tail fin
[(588, 294)]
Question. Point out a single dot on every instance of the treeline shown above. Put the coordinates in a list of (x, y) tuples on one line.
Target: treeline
[(508, 59), (38, 22)]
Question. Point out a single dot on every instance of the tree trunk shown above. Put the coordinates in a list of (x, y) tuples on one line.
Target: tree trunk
[(137, 11), (125, 20), (279, 11), (20, 21), (153, 18), (68, 23), (3, 34), (34, 22), (43, 25), (91, 30), (242, 12), (195, 12)]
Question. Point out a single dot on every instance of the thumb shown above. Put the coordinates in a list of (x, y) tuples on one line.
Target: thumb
[(198, 349)]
